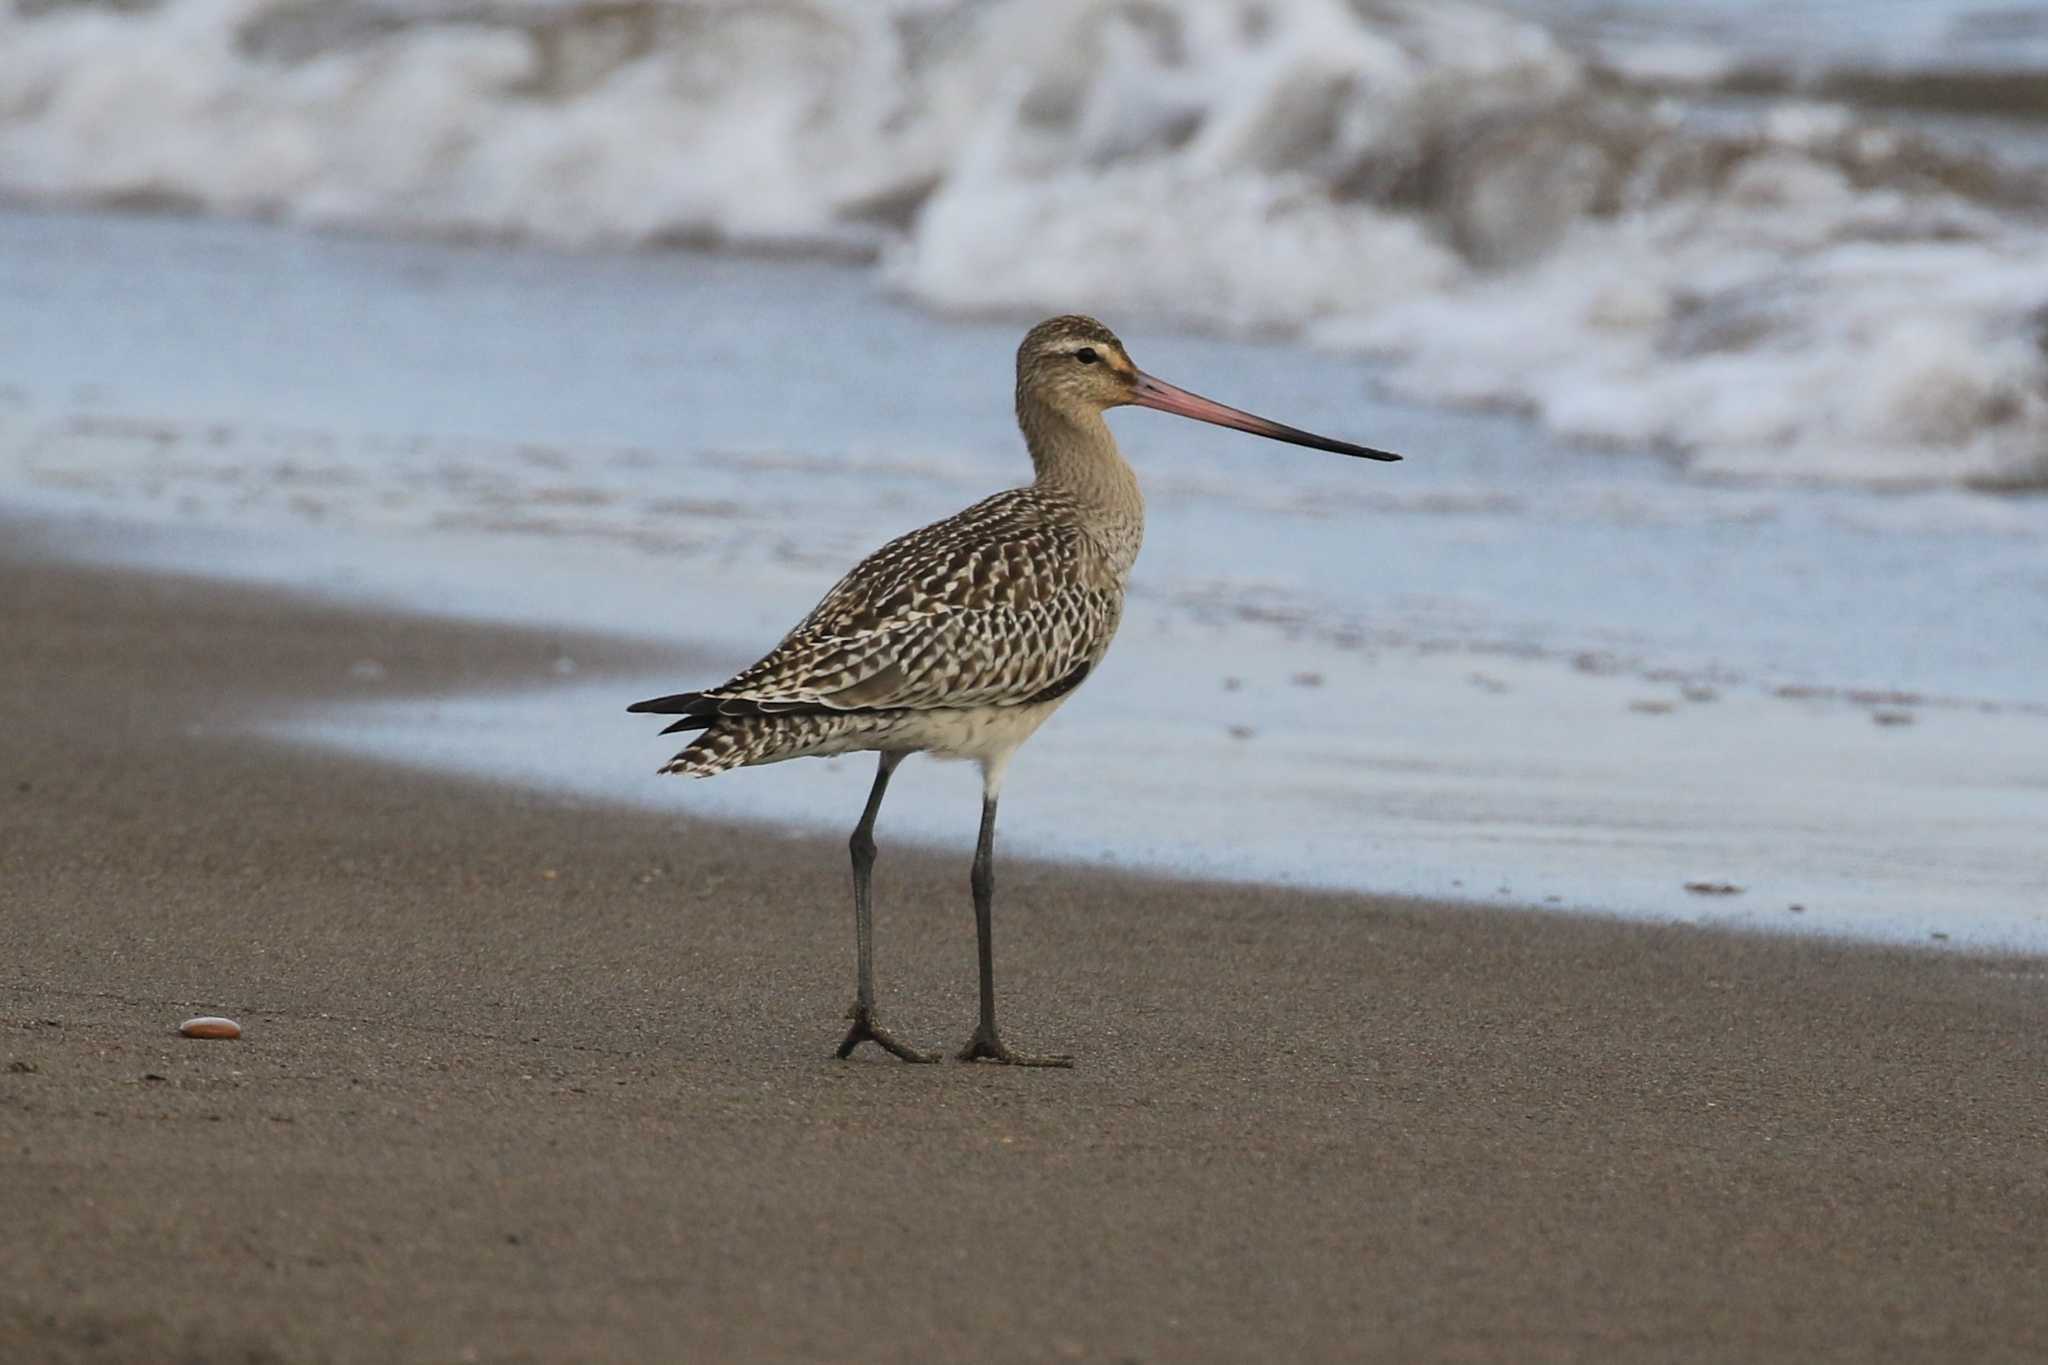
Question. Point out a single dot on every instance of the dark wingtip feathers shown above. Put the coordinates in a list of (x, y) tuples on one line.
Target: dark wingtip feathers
[(673, 704)]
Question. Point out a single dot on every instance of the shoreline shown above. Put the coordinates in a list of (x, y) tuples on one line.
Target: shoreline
[(531, 1077), (1458, 793)]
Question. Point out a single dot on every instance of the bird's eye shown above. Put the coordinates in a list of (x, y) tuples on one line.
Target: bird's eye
[(1086, 355)]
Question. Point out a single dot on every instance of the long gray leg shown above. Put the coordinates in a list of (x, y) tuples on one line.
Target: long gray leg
[(865, 1029), (987, 1044)]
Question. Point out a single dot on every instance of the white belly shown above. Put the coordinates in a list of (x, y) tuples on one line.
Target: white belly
[(986, 734)]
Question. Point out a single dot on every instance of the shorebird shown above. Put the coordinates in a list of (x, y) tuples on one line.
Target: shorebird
[(961, 639)]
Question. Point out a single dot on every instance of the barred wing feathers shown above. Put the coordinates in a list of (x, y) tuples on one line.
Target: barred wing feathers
[(1005, 603)]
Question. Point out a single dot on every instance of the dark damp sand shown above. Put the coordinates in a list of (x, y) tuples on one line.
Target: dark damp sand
[(530, 1079)]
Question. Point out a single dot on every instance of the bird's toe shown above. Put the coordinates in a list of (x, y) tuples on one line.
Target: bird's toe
[(867, 1029), (987, 1046)]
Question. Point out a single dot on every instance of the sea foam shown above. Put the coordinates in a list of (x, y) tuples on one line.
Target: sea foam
[(1771, 289)]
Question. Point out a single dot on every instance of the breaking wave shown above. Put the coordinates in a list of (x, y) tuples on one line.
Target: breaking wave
[(1649, 247)]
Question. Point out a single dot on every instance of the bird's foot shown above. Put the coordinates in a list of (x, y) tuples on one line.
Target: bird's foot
[(985, 1046), (866, 1030)]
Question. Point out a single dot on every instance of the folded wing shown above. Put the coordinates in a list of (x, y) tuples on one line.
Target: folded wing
[(1005, 604)]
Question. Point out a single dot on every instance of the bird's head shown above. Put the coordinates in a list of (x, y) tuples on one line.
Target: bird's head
[(1075, 365), (1075, 362)]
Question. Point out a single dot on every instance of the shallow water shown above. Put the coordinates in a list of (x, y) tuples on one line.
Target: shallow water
[(1505, 668)]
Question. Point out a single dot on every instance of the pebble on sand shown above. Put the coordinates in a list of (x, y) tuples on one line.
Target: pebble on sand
[(210, 1026)]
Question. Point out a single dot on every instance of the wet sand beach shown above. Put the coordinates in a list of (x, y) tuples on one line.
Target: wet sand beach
[(528, 1078)]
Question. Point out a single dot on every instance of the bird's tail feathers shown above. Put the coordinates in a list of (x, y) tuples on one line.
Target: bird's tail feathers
[(737, 741), (717, 751)]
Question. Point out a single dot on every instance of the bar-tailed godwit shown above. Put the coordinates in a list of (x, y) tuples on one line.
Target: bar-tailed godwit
[(960, 639)]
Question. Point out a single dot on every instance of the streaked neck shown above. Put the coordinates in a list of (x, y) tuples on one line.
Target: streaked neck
[(1074, 452)]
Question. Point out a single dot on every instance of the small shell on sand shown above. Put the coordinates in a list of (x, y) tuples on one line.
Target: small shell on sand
[(210, 1026)]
